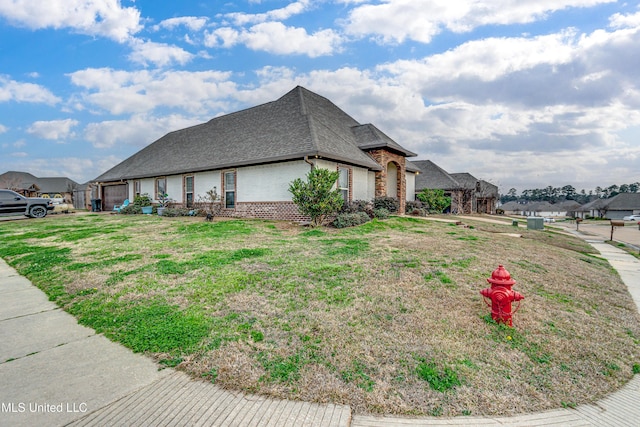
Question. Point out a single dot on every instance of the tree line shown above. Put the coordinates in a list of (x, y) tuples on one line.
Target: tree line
[(568, 192)]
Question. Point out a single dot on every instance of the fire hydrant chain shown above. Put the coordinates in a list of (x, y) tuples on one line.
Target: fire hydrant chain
[(501, 296)]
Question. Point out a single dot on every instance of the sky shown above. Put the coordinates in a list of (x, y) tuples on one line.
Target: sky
[(523, 94)]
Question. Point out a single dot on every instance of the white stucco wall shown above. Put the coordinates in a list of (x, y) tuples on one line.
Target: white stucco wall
[(174, 188), (205, 181), (269, 183), (147, 185), (360, 190), (261, 183), (411, 186), (371, 186)]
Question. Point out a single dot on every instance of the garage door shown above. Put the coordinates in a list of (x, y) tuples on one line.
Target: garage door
[(113, 195)]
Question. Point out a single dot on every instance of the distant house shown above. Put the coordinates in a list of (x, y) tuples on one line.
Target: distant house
[(468, 194), (60, 188), (622, 205), (250, 157)]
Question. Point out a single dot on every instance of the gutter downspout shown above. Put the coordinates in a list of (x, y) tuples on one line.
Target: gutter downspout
[(313, 165)]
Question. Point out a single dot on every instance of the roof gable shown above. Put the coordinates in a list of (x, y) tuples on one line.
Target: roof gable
[(433, 176), (300, 123)]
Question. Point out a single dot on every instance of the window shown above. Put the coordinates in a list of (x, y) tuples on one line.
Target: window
[(188, 191), (230, 190), (136, 188), (161, 187), (343, 183)]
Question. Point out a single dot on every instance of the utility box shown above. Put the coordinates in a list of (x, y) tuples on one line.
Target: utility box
[(535, 223)]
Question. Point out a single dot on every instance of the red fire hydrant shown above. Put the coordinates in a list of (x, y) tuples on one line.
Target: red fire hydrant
[(501, 295)]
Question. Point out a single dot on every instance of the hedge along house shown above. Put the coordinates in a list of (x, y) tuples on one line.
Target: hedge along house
[(250, 157)]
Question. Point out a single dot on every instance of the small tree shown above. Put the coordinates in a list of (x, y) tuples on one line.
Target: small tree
[(209, 203), (317, 198), (435, 199)]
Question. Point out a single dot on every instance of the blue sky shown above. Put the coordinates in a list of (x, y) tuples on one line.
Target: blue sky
[(524, 94)]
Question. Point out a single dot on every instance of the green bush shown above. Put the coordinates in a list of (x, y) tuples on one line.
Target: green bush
[(142, 200), (356, 206), (350, 219), (176, 212), (416, 208), (434, 199), (131, 210), (381, 213), (317, 198), (389, 203)]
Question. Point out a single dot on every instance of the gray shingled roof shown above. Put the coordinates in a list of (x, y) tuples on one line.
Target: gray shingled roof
[(45, 185), (624, 202), (300, 123), (433, 176)]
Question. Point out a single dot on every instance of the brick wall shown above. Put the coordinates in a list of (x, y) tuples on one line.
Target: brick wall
[(265, 210), (383, 157)]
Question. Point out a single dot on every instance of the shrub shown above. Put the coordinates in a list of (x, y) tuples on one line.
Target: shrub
[(381, 213), (176, 212), (358, 206), (317, 198), (416, 208), (131, 210), (142, 200), (435, 199), (389, 203), (350, 219)]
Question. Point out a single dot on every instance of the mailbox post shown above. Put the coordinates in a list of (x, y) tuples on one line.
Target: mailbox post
[(614, 224)]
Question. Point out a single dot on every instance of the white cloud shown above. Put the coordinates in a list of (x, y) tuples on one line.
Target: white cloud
[(122, 92), (394, 21), (106, 18), (159, 54), (282, 14), (138, 131), (276, 38), (56, 130), (625, 21), (191, 22), (3, 128), (11, 90)]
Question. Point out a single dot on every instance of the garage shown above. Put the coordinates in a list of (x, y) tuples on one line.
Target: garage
[(113, 195)]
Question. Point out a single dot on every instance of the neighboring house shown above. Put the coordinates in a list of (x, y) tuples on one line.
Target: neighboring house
[(59, 188), (594, 209), (616, 207), (468, 194), (544, 209), (512, 208), (622, 205), (250, 158)]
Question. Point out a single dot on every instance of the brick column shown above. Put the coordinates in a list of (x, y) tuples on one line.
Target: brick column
[(383, 157)]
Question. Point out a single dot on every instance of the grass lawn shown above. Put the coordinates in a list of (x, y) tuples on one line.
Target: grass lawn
[(386, 317)]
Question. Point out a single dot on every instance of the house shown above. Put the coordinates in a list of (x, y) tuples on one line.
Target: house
[(251, 156), (622, 205), (60, 188), (468, 194), (616, 207)]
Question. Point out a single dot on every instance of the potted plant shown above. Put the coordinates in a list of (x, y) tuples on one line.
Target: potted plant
[(163, 202), (144, 202)]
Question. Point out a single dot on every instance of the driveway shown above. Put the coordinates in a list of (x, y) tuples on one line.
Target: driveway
[(629, 234)]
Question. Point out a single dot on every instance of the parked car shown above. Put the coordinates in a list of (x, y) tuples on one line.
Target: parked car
[(12, 203), (632, 218), (549, 220)]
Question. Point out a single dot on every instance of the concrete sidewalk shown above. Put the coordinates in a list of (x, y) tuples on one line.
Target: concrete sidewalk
[(55, 372)]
